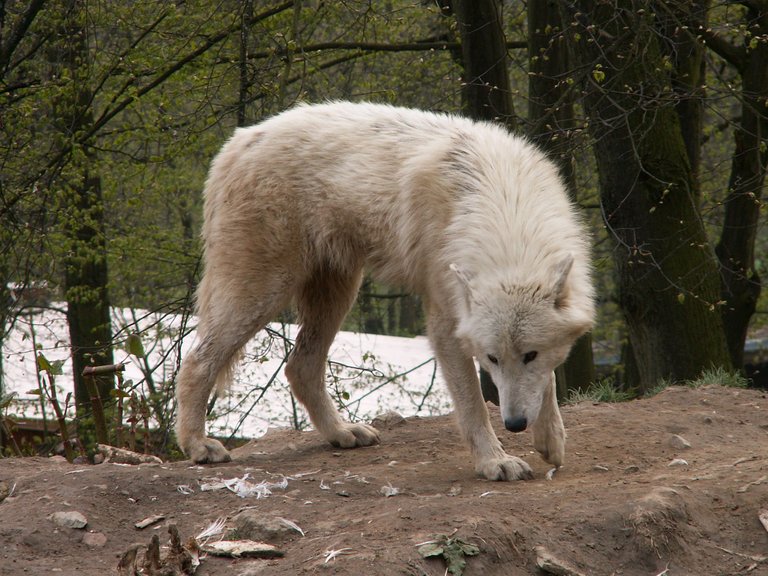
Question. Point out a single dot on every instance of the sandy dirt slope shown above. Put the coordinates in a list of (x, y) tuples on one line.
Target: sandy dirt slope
[(617, 507)]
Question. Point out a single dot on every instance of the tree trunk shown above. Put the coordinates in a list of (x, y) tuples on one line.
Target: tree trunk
[(668, 278), (85, 285), (550, 113), (741, 284), (485, 94), (85, 277), (678, 23)]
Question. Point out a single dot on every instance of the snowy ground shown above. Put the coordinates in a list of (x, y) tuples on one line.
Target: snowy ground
[(368, 373)]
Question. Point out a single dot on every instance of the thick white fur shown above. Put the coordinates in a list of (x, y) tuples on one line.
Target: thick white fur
[(474, 219)]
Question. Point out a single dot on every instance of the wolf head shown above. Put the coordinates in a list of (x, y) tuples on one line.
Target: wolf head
[(520, 332)]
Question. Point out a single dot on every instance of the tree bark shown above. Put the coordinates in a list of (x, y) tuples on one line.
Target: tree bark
[(485, 94), (550, 113), (668, 277), (680, 22), (85, 275), (741, 285)]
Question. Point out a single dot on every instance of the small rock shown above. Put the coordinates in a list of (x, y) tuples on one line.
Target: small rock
[(253, 525), (94, 539), (389, 491), (388, 419), (599, 468), (678, 462), (550, 564), (763, 517), (342, 493), (632, 469), (68, 519), (679, 443), (58, 458)]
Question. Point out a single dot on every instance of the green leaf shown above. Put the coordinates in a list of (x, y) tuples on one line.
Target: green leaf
[(6, 400), (134, 346), (453, 551), (52, 368), (431, 549), (43, 364), (598, 74), (34, 392)]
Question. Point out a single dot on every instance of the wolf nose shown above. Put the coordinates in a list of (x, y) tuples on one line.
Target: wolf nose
[(516, 424)]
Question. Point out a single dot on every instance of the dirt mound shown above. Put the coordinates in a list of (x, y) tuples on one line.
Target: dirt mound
[(631, 499)]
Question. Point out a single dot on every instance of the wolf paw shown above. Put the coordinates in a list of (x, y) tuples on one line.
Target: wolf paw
[(353, 435), (505, 469), (549, 441), (207, 451)]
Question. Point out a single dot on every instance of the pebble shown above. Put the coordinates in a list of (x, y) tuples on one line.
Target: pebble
[(94, 539), (388, 420), (69, 519), (389, 491), (679, 443), (253, 525), (678, 462)]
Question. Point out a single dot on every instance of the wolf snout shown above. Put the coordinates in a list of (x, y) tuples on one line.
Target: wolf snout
[(516, 424)]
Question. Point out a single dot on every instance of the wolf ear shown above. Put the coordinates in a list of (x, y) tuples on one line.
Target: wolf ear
[(464, 279), (560, 289)]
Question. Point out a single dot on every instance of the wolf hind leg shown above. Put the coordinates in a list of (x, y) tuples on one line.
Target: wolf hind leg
[(323, 302), (548, 430), (226, 324)]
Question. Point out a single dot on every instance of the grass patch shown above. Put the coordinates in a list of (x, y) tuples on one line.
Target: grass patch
[(662, 385), (605, 390), (601, 391), (719, 377), (711, 377)]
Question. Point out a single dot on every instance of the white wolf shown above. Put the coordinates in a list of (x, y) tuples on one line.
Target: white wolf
[(474, 219)]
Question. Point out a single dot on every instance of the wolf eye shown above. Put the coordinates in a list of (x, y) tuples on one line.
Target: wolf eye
[(492, 359), (530, 356)]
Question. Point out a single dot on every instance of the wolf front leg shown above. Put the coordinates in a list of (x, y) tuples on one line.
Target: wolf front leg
[(548, 430), (472, 416)]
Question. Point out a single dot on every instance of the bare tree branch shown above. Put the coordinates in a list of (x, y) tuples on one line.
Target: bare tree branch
[(727, 51), (419, 45), (8, 48)]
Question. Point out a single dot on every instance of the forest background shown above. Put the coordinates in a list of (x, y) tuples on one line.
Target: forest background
[(657, 112)]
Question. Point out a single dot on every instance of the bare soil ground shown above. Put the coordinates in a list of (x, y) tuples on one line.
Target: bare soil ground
[(616, 507)]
